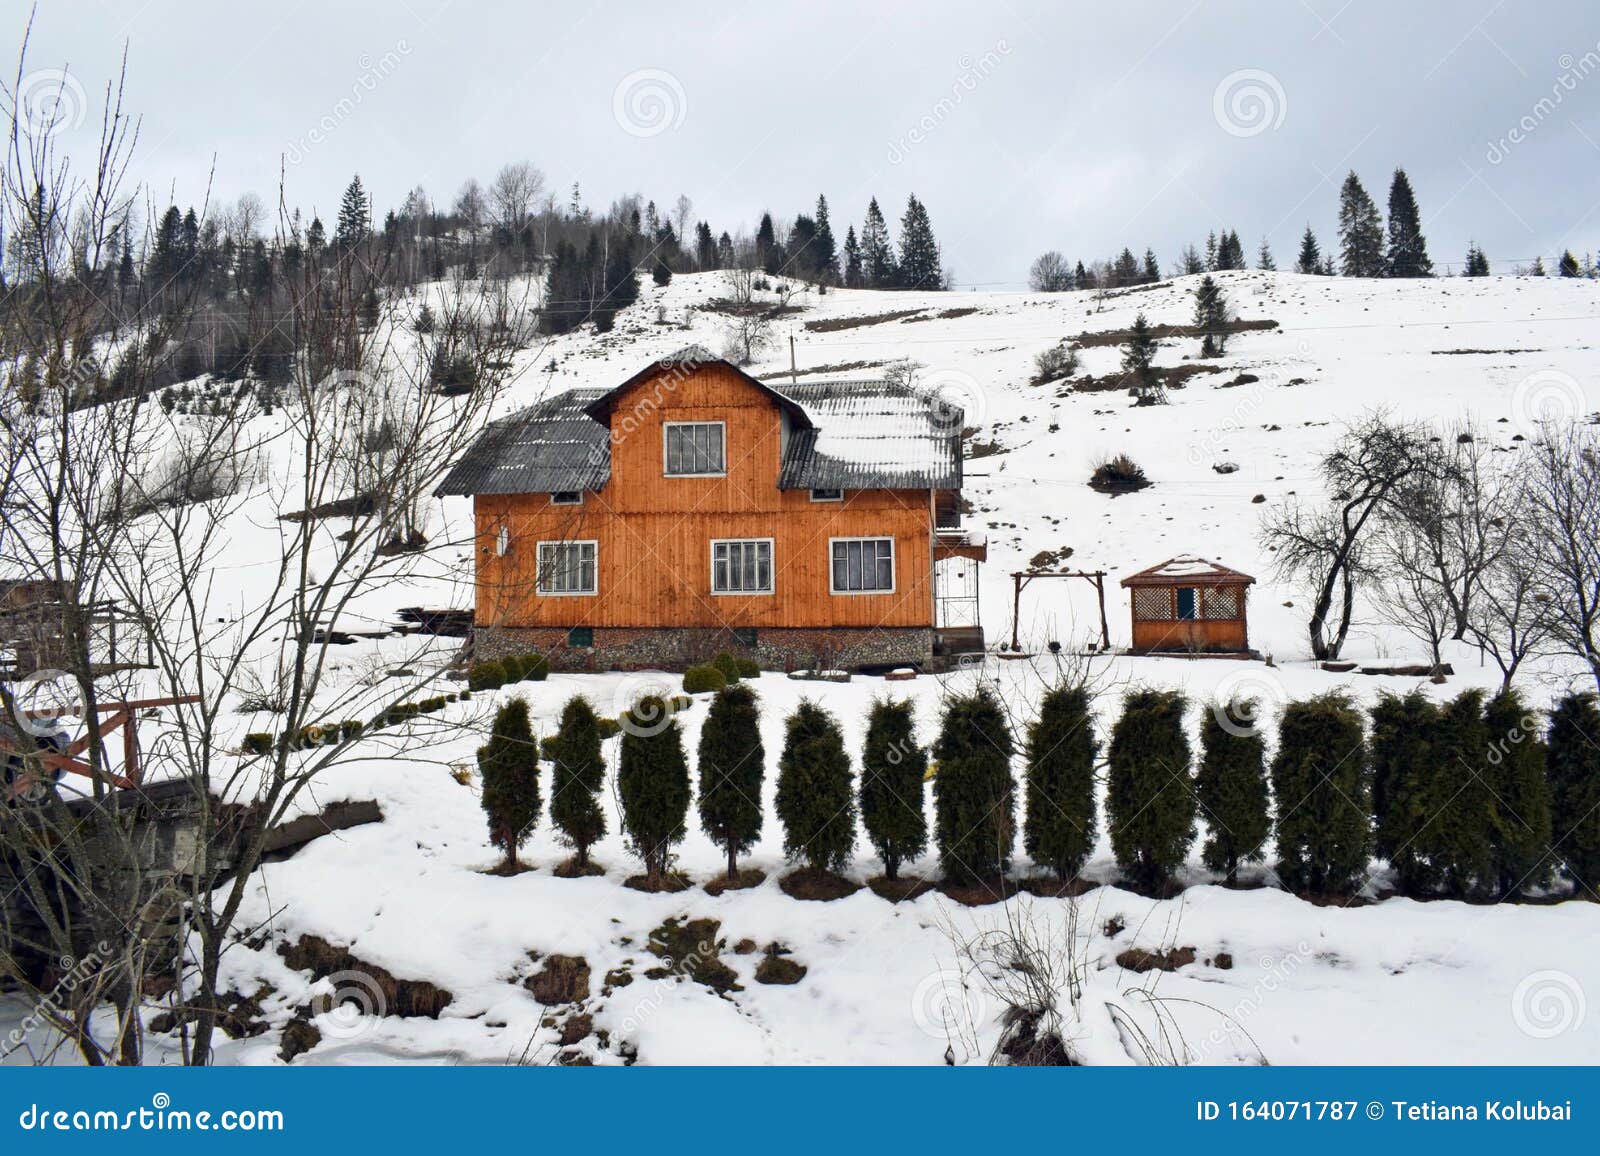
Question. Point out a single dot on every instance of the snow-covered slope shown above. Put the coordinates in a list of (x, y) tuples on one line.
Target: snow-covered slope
[(1396, 981)]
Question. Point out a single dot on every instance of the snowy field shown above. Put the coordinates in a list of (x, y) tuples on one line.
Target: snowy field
[(1393, 981)]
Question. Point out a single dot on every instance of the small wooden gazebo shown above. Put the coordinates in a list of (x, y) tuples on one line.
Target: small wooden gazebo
[(1188, 605)]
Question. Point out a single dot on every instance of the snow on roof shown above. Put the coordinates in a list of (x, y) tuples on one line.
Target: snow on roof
[(849, 435), (1187, 568)]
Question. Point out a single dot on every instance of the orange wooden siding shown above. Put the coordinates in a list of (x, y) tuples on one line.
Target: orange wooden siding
[(655, 532)]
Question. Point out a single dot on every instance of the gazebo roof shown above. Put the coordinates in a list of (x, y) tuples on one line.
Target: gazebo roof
[(1188, 570)]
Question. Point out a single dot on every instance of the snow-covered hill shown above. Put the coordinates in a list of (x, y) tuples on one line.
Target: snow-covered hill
[(1396, 981)]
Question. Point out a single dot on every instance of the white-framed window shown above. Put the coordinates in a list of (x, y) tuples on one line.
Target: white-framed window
[(567, 498), (827, 495), (695, 449), (862, 565), (502, 541), (568, 568), (741, 566)]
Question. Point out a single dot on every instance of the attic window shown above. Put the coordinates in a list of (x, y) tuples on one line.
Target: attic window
[(567, 498), (695, 449), (827, 495)]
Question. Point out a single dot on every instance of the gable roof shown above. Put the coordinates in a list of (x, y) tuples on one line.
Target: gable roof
[(685, 361), (849, 435), (1188, 570)]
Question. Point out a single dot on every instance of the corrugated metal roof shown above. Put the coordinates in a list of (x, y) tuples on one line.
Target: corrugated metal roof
[(863, 435), (872, 435), (547, 447)]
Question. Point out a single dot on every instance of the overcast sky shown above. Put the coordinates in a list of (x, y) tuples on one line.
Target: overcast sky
[(1080, 127)]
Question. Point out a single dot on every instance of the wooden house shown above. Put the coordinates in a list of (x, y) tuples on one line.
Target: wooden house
[(694, 508), (1187, 605)]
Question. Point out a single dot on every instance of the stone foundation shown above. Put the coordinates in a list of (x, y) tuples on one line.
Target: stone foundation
[(676, 648)]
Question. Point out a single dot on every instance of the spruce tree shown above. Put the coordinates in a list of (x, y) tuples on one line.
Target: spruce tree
[(578, 772), (816, 802), (1138, 361), (705, 248), (1231, 788), (653, 785), (1080, 277), (1310, 260), (877, 257), (825, 252), (1360, 231), (1516, 773), (854, 274), (508, 764), (732, 764), (800, 249), (1264, 256), (355, 215), (920, 264), (1152, 267), (767, 254), (1211, 317), (1408, 248), (893, 768), (1060, 827), (1125, 269), (1150, 799), (1477, 262), (1568, 266), (1574, 775), (973, 793), (1405, 766), (1230, 250), (1320, 778)]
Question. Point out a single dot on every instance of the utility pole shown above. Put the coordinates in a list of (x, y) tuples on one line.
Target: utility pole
[(794, 375)]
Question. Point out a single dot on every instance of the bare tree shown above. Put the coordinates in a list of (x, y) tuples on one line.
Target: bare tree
[(681, 210), (1050, 273), (750, 319), (1326, 546), (516, 188), (1564, 494), (1512, 615)]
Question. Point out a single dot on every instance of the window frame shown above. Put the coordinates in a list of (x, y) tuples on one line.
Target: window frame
[(666, 437), (772, 568), (894, 571), (577, 497), (827, 490), (538, 568)]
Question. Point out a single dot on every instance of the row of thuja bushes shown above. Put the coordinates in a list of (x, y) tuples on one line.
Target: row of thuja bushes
[(333, 733), (1473, 798)]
